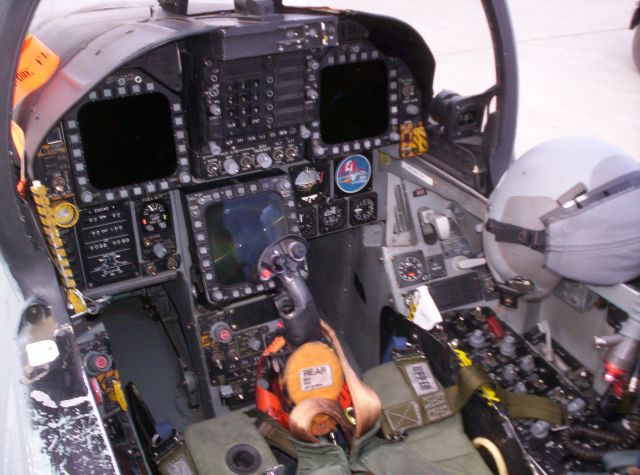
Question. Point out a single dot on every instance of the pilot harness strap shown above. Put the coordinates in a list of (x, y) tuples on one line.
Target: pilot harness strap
[(437, 449), (430, 403), (357, 399)]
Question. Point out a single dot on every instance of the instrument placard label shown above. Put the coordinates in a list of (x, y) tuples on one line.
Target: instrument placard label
[(421, 378), (316, 377)]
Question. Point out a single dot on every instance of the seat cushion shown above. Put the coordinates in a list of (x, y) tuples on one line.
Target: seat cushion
[(210, 441)]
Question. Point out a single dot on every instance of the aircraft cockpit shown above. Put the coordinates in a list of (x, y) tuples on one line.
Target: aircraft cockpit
[(270, 247)]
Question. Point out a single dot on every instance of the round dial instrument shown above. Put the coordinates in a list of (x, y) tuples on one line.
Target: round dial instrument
[(410, 269), (332, 217), (308, 183), (154, 217), (363, 210), (307, 222)]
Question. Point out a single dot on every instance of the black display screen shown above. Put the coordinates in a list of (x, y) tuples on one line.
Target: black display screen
[(353, 101), (239, 230), (127, 140)]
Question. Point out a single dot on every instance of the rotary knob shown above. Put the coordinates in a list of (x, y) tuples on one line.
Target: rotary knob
[(576, 406), (508, 346), (86, 197), (226, 391), (231, 166), (477, 339), (254, 343), (509, 373), (284, 186), (264, 160), (160, 250), (540, 429), (312, 94), (520, 387), (527, 363)]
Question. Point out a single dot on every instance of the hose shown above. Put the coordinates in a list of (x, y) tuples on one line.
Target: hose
[(614, 440), (493, 449)]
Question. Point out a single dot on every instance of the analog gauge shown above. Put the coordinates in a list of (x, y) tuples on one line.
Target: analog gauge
[(410, 269), (332, 217), (154, 217), (363, 210), (307, 221), (65, 214), (309, 183)]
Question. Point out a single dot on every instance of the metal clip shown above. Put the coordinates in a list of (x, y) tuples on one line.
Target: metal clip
[(407, 354), (397, 436)]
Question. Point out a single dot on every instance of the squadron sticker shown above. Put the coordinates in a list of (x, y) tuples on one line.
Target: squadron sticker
[(353, 174)]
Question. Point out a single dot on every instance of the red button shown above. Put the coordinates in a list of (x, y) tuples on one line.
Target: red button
[(224, 335), (101, 362)]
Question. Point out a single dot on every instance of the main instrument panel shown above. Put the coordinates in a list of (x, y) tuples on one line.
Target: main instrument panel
[(194, 130)]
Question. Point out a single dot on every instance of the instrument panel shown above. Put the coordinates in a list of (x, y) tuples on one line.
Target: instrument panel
[(187, 129), (115, 242)]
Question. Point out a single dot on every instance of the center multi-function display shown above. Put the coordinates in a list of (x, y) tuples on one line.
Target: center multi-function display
[(231, 226)]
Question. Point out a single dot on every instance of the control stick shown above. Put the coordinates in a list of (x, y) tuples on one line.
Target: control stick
[(285, 261)]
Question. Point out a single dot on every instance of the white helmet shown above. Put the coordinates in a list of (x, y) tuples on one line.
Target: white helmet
[(567, 208)]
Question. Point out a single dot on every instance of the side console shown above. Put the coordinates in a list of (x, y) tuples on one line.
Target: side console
[(522, 364)]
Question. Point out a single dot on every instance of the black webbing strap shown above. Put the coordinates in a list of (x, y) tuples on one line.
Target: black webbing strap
[(519, 406), (513, 234)]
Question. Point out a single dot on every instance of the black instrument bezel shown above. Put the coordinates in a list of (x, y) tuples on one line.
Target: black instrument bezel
[(126, 83), (350, 53), (197, 204)]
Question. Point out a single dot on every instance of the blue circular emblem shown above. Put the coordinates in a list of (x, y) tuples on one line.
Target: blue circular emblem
[(353, 173)]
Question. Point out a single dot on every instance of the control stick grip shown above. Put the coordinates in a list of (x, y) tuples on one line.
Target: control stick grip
[(285, 261), (298, 310)]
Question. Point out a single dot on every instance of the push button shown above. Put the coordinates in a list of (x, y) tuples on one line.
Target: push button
[(97, 363), (221, 333)]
